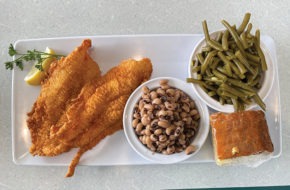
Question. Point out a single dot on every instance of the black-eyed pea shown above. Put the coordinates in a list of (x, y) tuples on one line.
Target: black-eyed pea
[(156, 101), (137, 116), (178, 149), (170, 106), (187, 120), (135, 122), (161, 113), (170, 92), (153, 148), (145, 120), (183, 114), (148, 141), (169, 113), (160, 92), (148, 107), (182, 142), (165, 86), (162, 138), (163, 82), (196, 117), (153, 95), (147, 132), (170, 130), (139, 128), (163, 124), (182, 136), (140, 105), (170, 149), (177, 95), (193, 112), (143, 132), (145, 89), (154, 124), (158, 132), (153, 137), (164, 152), (172, 137), (190, 149), (143, 139), (192, 104), (146, 97), (185, 107)]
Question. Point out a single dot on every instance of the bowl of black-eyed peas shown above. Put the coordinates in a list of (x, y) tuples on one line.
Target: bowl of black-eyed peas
[(231, 69), (164, 121)]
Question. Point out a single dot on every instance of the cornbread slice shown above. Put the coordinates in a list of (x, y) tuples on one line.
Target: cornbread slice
[(241, 137)]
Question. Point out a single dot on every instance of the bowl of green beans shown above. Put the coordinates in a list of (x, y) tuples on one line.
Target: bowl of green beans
[(231, 69)]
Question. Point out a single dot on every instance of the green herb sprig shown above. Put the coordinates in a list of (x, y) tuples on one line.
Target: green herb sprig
[(30, 55)]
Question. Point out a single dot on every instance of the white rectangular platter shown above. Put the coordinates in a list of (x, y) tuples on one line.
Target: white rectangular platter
[(170, 57)]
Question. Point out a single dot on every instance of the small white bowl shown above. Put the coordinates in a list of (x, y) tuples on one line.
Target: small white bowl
[(143, 151), (267, 79)]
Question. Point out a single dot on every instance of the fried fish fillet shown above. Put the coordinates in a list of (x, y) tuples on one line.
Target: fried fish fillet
[(94, 117), (77, 107), (119, 81), (64, 82)]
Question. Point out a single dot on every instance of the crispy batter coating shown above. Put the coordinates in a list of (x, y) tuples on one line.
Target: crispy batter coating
[(77, 107), (64, 82), (122, 81)]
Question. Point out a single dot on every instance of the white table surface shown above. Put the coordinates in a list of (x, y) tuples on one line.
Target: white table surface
[(41, 19)]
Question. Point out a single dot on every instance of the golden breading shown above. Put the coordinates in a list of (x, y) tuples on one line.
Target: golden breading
[(64, 82)]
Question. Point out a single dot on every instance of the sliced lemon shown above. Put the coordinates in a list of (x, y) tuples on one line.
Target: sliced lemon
[(35, 76)]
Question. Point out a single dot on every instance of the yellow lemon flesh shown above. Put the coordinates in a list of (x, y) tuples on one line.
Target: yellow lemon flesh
[(35, 76)]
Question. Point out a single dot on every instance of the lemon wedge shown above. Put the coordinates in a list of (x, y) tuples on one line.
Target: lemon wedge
[(35, 76)]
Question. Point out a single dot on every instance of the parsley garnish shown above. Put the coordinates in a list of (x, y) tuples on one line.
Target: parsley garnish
[(33, 55)]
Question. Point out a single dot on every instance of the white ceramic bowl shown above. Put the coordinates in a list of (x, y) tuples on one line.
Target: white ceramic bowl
[(143, 151), (267, 79)]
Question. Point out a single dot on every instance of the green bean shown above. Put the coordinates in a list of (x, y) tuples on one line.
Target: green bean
[(208, 72), (241, 67), (225, 44), (211, 93), (237, 71), (244, 61), (221, 100), (244, 40), (252, 57), (240, 84), (227, 63), (200, 58), (234, 35), (234, 91), (206, 49), (205, 30), (215, 63), (244, 23), (228, 68), (249, 28), (259, 101), (236, 104), (255, 81), (195, 69), (262, 56), (201, 83), (215, 45), (219, 37), (220, 75), (257, 36), (207, 61), (228, 94), (210, 42)]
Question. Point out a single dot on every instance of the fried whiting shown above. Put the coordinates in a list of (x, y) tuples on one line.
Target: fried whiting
[(64, 82), (77, 107)]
